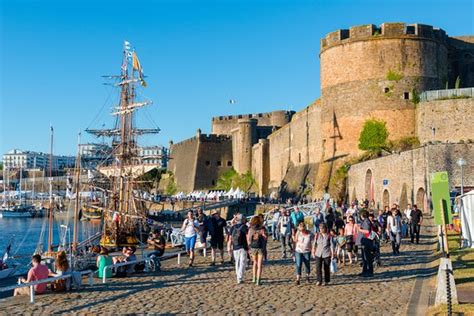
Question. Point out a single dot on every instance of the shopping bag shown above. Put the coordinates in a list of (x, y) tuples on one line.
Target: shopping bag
[(333, 266)]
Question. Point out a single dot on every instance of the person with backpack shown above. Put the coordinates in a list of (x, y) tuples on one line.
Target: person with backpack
[(323, 253), (256, 240), (190, 228), (394, 229), (284, 227), (302, 240), (238, 242)]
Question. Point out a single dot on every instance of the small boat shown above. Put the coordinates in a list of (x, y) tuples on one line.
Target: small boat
[(92, 213), (8, 272), (19, 211)]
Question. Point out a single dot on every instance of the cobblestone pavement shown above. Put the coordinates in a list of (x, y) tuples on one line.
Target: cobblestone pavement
[(213, 290)]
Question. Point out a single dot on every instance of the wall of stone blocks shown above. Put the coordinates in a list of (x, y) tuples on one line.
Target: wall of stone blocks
[(295, 144), (410, 169), (182, 163), (445, 120), (261, 165)]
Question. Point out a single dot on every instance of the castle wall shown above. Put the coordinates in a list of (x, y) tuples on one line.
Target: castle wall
[(224, 125), (213, 159), (461, 61), (445, 120), (295, 149), (261, 165), (198, 162), (407, 174), (373, 75), (183, 158)]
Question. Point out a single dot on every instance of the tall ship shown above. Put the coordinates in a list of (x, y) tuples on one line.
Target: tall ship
[(124, 213)]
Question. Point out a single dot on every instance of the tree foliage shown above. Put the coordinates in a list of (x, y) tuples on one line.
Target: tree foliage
[(231, 179), (374, 136)]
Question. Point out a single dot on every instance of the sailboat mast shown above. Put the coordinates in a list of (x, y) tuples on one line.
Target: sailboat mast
[(50, 228), (21, 178), (4, 187), (76, 208)]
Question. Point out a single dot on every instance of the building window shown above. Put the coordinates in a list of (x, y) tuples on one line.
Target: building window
[(213, 182), (229, 163), (208, 163), (406, 95), (219, 163)]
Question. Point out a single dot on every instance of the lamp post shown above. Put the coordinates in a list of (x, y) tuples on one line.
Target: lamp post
[(461, 163)]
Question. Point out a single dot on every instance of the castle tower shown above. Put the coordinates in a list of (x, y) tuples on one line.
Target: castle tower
[(243, 138), (369, 72)]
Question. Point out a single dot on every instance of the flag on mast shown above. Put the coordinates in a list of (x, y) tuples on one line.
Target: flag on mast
[(138, 67)]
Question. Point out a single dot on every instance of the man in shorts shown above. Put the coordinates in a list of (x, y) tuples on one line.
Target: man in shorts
[(217, 226)]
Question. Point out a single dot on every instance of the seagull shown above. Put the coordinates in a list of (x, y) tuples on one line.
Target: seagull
[(232, 101)]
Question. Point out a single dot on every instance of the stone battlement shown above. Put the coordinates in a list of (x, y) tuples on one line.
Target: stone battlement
[(249, 116), (203, 138), (386, 30)]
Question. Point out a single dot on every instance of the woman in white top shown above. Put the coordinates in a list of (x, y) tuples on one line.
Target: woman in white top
[(394, 229), (303, 240), (190, 228)]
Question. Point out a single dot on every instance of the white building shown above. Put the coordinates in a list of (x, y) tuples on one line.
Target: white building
[(154, 155), (25, 159)]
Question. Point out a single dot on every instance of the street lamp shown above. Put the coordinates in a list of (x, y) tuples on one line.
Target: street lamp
[(461, 163)]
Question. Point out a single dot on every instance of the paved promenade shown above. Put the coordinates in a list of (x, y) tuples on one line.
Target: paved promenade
[(213, 290)]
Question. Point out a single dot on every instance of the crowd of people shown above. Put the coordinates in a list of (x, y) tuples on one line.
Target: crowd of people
[(334, 238)]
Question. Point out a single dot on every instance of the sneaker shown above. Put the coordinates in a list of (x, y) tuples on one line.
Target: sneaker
[(257, 282), (239, 281), (297, 282), (308, 280), (318, 283)]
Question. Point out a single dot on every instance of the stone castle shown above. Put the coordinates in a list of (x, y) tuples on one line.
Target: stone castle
[(383, 72)]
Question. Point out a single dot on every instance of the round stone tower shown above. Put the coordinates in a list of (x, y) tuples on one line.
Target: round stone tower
[(245, 138), (376, 72)]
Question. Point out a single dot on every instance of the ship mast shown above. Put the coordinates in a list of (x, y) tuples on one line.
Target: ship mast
[(77, 205), (50, 228), (121, 214)]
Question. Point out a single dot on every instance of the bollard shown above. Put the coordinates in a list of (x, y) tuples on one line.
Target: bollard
[(147, 265), (179, 258), (448, 292), (32, 294)]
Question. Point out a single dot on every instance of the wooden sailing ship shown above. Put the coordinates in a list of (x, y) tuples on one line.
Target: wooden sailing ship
[(123, 213)]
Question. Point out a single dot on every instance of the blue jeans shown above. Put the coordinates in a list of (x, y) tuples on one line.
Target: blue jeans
[(302, 258), (190, 242)]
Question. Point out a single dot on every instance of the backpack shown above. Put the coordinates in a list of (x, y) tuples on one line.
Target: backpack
[(256, 241), (238, 236)]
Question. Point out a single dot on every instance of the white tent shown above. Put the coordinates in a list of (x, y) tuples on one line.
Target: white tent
[(230, 193), (467, 219)]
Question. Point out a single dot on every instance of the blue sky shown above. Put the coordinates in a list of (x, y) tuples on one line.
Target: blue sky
[(197, 55)]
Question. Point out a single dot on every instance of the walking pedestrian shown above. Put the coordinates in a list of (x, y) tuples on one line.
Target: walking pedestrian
[(203, 226), (350, 232), (217, 226), (416, 220), (303, 241), (341, 247), (238, 242), (255, 239), (394, 229), (407, 214), (323, 254), (318, 218), (275, 217), (296, 217), (366, 245), (190, 229), (284, 226)]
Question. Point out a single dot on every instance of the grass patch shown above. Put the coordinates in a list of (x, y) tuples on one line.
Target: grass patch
[(392, 75)]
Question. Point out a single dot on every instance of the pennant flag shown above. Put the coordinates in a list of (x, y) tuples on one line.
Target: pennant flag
[(126, 45), (136, 63)]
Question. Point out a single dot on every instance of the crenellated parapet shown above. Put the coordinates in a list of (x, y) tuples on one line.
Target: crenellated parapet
[(385, 30)]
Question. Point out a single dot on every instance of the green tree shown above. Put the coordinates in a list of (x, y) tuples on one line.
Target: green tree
[(224, 182), (374, 136)]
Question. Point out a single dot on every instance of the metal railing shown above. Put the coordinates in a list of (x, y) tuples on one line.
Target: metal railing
[(447, 94), (121, 264), (31, 285)]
